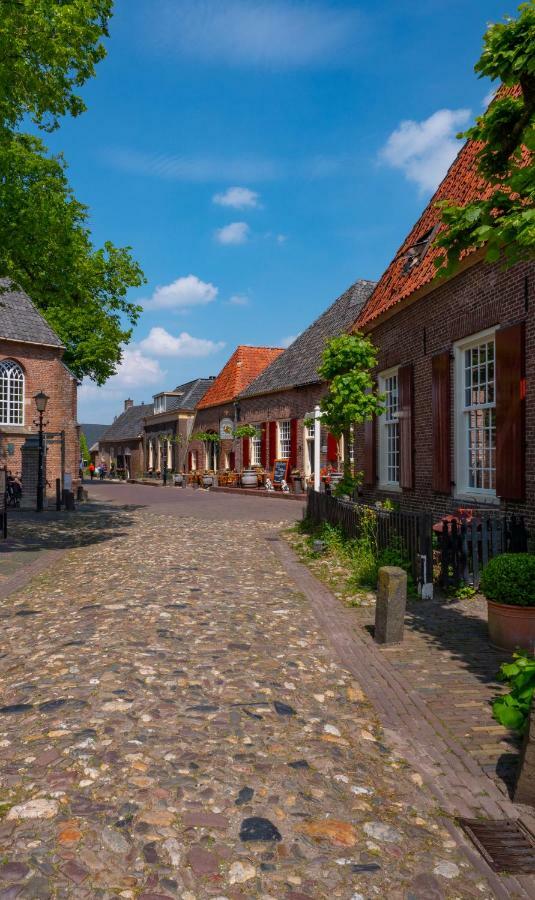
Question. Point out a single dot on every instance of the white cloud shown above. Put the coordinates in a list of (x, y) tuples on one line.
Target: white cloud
[(183, 293), (281, 239), (272, 33), (193, 169), (235, 233), (238, 198), (288, 340), (135, 370), (238, 300), (425, 150), (161, 343)]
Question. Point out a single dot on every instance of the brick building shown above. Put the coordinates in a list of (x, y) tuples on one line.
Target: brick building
[(279, 400), (31, 361), (122, 446), (173, 416), (457, 365), (218, 411)]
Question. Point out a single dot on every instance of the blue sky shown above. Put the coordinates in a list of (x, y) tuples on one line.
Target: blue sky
[(260, 156)]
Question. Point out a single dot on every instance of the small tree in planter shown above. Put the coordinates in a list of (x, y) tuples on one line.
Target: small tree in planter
[(508, 583), (250, 479), (352, 398), (208, 439)]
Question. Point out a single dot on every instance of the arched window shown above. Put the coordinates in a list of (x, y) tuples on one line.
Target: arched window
[(11, 393)]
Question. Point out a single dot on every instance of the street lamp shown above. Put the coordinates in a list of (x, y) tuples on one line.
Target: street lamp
[(41, 400)]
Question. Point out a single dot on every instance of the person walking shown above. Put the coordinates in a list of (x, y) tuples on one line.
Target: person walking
[(91, 470)]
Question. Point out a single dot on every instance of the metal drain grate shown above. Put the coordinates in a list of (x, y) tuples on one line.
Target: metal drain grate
[(507, 845)]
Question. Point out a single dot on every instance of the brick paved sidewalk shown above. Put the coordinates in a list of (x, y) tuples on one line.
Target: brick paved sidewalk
[(173, 724), (432, 694)]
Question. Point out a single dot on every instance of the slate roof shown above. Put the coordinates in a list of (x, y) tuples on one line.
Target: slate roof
[(243, 367), (129, 425), (190, 394), (461, 185), (20, 320), (298, 365), (93, 433)]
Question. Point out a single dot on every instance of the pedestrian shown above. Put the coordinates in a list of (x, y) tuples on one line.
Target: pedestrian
[(91, 470), (102, 471)]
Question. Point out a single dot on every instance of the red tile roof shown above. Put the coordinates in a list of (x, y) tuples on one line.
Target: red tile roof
[(245, 364), (461, 185)]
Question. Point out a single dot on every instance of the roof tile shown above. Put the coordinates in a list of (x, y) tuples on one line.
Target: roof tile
[(245, 364)]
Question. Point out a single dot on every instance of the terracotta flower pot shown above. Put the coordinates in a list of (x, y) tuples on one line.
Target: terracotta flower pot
[(511, 627)]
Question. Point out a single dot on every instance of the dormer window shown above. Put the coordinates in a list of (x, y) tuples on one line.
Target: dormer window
[(159, 403), (416, 252)]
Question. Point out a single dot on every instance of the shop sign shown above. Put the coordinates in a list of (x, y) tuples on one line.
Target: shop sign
[(226, 428)]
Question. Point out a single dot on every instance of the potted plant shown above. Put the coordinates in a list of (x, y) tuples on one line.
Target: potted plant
[(297, 480), (207, 478), (508, 583), (209, 439)]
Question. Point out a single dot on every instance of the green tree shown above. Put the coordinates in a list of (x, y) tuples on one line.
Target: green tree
[(48, 49), (45, 246), (84, 449), (504, 223), (352, 398)]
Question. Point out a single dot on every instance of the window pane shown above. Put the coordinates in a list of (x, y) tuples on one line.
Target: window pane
[(391, 430)]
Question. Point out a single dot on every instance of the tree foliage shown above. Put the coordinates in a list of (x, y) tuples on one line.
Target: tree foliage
[(505, 222), (46, 247), (48, 48), (352, 398), (84, 449)]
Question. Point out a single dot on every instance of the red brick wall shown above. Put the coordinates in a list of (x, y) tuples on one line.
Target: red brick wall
[(481, 297), (43, 370)]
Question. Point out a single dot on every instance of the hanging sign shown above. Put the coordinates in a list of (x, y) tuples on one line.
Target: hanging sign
[(280, 471), (226, 429)]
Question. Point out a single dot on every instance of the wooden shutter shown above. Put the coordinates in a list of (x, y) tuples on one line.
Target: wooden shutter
[(232, 460), (190, 457), (510, 412), (293, 444), (263, 444), (441, 411), (370, 452), (406, 426), (245, 453), (272, 442), (332, 449)]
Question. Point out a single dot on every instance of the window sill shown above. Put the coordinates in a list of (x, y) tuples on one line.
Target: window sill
[(477, 499), (389, 488)]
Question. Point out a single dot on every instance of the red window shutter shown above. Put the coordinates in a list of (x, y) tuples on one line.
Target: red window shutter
[(406, 427), (245, 453), (189, 460), (441, 412), (263, 444), (232, 460), (332, 449), (272, 442), (293, 444), (370, 453), (510, 412)]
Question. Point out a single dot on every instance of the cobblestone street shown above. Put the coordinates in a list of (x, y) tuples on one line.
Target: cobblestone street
[(173, 724)]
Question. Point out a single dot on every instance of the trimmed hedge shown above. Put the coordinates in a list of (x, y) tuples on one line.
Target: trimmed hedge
[(510, 578)]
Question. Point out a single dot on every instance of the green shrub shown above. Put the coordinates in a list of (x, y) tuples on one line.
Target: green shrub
[(512, 710), (510, 578), (394, 556)]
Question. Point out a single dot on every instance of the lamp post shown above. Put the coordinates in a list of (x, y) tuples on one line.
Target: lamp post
[(41, 400)]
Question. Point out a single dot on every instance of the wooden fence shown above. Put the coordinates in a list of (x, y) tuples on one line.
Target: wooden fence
[(411, 533), (466, 546)]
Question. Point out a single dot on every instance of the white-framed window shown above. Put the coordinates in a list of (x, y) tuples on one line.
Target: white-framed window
[(256, 447), (309, 431), (475, 415), (285, 442), (389, 431), (11, 393)]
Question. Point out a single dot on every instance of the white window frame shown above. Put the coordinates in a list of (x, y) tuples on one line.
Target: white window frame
[(13, 383), (284, 425), (256, 447), (308, 444), (463, 489), (386, 483)]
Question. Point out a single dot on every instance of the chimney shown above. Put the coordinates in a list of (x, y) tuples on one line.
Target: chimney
[(128, 404)]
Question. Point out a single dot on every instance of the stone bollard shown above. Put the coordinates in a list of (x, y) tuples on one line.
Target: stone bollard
[(391, 603), (525, 784), (69, 501)]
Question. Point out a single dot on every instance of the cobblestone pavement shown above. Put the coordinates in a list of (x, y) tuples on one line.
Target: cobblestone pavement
[(173, 725)]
